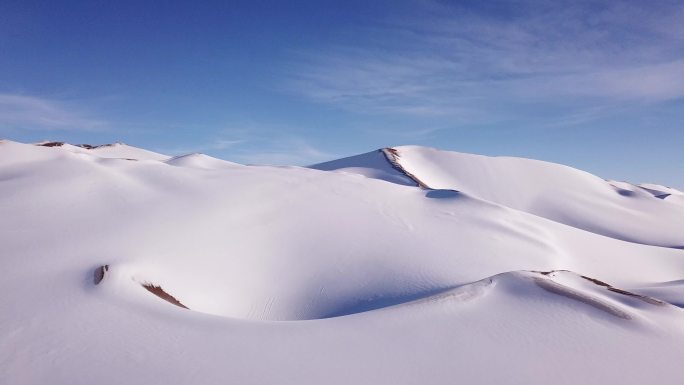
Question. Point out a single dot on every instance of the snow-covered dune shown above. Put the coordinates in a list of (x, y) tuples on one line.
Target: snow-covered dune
[(200, 161), (113, 150), (374, 164), (197, 270), (557, 192)]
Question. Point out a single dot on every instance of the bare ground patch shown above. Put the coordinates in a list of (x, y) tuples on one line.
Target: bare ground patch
[(392, 156), (159, 292), (567, 292), (100, 273)]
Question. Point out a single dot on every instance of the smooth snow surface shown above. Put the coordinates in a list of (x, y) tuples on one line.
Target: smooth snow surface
[(496, 271), (648, 214), (200, 161)]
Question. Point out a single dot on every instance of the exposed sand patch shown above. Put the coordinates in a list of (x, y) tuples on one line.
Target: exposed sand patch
[(567, 292), (392, 156), (159, 292), (100, 273)]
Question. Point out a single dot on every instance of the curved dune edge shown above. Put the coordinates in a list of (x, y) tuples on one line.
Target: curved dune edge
[(545, 280)]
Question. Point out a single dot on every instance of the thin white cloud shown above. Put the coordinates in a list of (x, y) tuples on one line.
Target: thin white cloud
[(189, 148), (651, 83), (253, 142), (284, 151), (258, 142), (222, 144), (34, 113), (464, 64)]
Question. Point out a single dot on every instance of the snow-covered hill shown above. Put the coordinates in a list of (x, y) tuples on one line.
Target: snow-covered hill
[(648, 214), (123, 266), (114, 150)]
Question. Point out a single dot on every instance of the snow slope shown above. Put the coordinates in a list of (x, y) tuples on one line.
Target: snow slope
[(557, 192), (293, 275), (113, 150), (373, 164), (200, 161)]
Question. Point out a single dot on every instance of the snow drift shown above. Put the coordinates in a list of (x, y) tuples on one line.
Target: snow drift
[(400, 266)]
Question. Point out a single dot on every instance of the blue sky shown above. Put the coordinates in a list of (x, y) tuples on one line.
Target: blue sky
[(595, 85)]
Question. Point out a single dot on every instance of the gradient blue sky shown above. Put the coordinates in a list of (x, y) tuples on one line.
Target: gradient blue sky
[(595, 85)]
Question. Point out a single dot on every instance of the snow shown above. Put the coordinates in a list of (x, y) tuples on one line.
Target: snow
[(113, 150), (557, 192), (346, 272), (373, 164), (200, 161)]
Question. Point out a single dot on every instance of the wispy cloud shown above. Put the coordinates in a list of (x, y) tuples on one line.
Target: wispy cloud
[(255, 143), (34, 113), (648, 83), (222, 144), (290, 151), (203, 147), (467, 63)]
